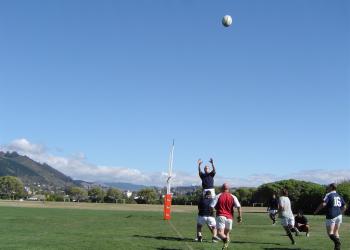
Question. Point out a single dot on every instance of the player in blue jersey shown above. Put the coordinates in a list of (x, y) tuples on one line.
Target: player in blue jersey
[(206, 216), (207, 177), (335, 206), (273, 208)]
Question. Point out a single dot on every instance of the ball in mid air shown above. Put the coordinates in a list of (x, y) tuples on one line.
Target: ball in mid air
[(227, 20)]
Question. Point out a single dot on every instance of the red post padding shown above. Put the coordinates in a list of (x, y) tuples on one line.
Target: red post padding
[(167, 206)]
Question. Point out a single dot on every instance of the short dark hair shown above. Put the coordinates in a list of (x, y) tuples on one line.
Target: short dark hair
[(284, 191), (333, 186)]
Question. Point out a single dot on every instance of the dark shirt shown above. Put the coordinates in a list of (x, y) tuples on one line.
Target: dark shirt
[(204, 208), (301, 220), (334, 203), (273, 204), (207, 179)]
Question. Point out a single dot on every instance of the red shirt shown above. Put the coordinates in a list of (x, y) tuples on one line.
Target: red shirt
[(224, 204)]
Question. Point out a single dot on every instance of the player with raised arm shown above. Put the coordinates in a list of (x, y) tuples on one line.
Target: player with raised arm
[(286, 214), (224, 204), (336, 206), (207, 177)]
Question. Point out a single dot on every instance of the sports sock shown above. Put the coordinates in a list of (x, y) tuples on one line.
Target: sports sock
[(336, 241), (289, 233)]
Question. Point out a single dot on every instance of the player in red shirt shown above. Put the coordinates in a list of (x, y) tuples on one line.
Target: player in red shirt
[(224, 204)]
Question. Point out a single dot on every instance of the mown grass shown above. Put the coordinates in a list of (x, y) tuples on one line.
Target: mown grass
[(52, 228)]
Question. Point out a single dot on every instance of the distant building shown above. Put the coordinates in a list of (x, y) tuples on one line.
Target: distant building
[(128, 193)]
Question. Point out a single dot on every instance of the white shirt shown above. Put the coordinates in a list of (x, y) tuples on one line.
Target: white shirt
[(286, 208)]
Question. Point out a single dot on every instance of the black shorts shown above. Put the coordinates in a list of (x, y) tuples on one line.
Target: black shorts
[(303, 228)]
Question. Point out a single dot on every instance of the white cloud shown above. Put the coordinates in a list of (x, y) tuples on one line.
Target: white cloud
[(77, 167), (23, 145)]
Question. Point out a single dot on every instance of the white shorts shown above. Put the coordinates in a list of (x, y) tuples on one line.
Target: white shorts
[(335, 220), (223, 223), (285, 221), (210, 221), (273, 211), (212, 192)]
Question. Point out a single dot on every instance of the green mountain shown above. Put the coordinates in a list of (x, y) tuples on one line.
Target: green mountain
[(31, 172)]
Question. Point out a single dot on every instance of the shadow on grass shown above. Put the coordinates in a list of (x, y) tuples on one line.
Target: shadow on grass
[(164, 238), (163, 248), (191, 240), (283, 248), (254, 242)]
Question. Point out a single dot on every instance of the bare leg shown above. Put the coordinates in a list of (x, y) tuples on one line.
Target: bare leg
[(336, 230), (330, 229), (227, 233), (307, 230), (213, 231), (221, 233)]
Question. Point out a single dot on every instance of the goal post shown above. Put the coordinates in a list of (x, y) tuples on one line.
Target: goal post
[(168, 196)]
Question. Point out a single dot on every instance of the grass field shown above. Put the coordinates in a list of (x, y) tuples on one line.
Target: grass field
[(97, 227)]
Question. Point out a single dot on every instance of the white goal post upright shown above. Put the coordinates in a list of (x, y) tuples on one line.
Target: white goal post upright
[(170, 170)]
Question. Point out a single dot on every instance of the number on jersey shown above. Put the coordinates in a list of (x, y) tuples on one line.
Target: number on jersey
[(337, 202)]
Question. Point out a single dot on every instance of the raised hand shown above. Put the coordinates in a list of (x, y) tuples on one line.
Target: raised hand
[(200, 161)]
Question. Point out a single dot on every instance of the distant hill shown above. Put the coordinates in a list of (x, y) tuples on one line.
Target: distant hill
[(30, 171), (125, 186)]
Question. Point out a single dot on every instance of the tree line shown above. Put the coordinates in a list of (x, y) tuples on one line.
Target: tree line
[(12, 188), (304, 195)]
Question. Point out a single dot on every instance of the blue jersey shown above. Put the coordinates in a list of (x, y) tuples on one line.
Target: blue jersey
[(334, 203), (204, 208), (207, 179)]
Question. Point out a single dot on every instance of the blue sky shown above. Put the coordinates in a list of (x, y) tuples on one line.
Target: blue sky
[(107, 85)]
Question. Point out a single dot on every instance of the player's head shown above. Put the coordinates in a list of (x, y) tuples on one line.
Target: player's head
[(207, 194), (284, 192), (300, 213), (332, 187), (225, 187), (207, 169)]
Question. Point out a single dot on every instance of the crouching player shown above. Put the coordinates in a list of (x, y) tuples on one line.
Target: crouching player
[(205, 216), (301, 224)]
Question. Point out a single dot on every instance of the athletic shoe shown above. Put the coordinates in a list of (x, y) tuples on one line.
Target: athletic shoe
[(307, 234), (293, 242), (215, 239), (200, 239)]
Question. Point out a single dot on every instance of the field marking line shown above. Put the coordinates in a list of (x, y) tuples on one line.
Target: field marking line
[(179, 234)]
